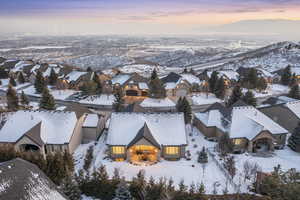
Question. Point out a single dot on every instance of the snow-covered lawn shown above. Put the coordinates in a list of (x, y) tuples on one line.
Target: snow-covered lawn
[(274, 89), (189, 171), (150, 102), (18, 87), (57, 94), (99, 100), (203, 99)]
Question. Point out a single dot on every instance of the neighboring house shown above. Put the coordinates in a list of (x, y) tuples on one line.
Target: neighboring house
[(230, 77), (93, 127), (158, 105), (132, 84), (22, 180), (294, 70), (42, 131), (283, 110), (22, 67), (146, 137), (175, 85), (248, 128), (75, 79)]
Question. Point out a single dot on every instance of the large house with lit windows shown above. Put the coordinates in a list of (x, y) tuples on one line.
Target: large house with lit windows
[(248, 128), (42, 131), (146, 137)]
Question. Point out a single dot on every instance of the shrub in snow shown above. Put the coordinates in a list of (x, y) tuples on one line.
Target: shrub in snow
[(202, 157), (88, 158), (122, 192)]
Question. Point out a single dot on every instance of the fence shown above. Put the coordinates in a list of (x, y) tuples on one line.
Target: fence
[(224, 171)]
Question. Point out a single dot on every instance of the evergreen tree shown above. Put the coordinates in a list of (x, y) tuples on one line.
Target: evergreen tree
[(89, 88), (12, 98), (262, 84), (97, 80), (185, 70), (89, 69), (252, 78), (138, 186), (21, 78), (118, 104), (184, 106), (220, 89), (88, 158), (3, 73), (157, 89), (201, 189), (70, 188), (236, 95), (55, 170), (294, 92), (12, 82), (53, 77), (47, 101), (122, 192), (202, 157), (154, 74), (249, 98), (24, 99), (294, 140), (39, 83), (286, 75), (213, 81)]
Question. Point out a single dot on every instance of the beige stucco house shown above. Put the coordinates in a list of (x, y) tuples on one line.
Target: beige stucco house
[(146, 137), (248, 128), (42, 131)]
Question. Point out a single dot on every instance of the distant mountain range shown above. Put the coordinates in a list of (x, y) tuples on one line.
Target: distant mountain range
[(260, 27)]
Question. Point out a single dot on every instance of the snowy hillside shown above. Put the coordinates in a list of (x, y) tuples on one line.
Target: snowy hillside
[(271, 58)]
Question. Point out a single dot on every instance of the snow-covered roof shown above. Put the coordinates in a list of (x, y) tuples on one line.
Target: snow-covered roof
[(294, 107), (295, 70), (211, 118), (35, 67), (230, 74), (150, 102), (48, 71), (99, 100), (166, 128), (20, 179), (170, 85), (91, 120), (248, 122), (120, 79), (243, 122), (143, 86), (74, 75), (20, 65), (190, 78), (56, 127)]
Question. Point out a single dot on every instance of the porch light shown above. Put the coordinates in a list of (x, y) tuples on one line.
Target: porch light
[(155, 150)]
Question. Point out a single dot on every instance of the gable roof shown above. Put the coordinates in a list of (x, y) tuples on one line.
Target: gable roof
[(171, 77), (278, 100), (294, 107), (166, 128), (22, 180), (239, 121), (145, 133), (91, 121), (75, 75), (56, 127)]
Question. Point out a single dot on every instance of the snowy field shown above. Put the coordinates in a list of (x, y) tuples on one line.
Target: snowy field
[(189, 171), (203, 99), (273, 89)]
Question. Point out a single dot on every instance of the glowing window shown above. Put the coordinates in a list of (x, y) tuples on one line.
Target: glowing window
[(172, 150), (118, 150), (238, 141)]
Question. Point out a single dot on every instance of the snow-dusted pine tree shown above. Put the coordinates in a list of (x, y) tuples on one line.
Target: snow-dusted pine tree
[(122, 192)]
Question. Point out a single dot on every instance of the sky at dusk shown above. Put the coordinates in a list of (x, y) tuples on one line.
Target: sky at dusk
[(140, 16)]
